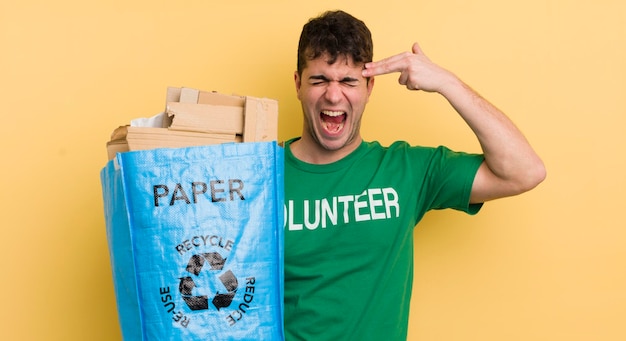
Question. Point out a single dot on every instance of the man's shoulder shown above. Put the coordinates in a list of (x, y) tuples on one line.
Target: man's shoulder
[(400, 146)]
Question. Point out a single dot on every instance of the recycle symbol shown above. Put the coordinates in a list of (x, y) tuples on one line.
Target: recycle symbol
[(187, 284)]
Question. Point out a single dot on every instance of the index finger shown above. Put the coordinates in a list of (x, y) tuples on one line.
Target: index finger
[(384, 66)]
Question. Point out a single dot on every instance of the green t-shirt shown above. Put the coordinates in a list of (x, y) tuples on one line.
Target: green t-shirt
[(349, 236)]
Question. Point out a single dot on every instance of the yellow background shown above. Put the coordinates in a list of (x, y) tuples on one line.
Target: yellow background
[(548, 265)]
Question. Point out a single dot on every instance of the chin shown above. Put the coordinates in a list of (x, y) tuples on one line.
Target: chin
[(335, 144)]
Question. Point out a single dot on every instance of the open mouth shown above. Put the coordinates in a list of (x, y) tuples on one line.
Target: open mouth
[(333, 121)]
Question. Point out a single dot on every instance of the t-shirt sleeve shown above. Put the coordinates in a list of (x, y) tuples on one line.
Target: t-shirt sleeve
[(450, 178)]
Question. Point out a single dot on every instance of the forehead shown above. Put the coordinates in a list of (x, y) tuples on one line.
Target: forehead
[(325, 65)]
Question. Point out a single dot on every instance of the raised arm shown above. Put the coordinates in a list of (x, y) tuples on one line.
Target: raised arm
[(511, 165)]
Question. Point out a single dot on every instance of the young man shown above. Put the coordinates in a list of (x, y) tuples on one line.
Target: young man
[(351, 205)]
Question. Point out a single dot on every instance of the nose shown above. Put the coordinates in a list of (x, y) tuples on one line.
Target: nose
[(333, 92)]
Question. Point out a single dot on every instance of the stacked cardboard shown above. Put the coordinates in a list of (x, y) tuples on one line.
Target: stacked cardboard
[(195, 117)]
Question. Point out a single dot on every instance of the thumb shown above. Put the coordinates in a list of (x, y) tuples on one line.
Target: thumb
[(416, 49)]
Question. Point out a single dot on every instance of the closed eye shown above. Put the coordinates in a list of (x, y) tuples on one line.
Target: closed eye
[(352, 82), (322, 80), (318, 80)]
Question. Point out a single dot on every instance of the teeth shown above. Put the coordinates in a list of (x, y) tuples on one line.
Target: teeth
[(332, 113)]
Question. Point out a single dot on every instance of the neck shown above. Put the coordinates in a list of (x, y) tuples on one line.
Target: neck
[(308, 151)]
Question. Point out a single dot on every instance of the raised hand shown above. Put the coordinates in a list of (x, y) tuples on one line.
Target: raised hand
[(417, 71)]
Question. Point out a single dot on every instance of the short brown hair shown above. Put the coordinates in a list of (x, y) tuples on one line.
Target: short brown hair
[(336, 33)]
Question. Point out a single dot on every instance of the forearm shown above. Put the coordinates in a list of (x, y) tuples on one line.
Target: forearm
[(508, 155), (511, 165)]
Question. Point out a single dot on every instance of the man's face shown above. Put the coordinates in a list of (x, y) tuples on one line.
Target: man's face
[(333, 99)]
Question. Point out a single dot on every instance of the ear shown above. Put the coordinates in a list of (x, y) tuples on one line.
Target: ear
[(370, 87), (297, 80)]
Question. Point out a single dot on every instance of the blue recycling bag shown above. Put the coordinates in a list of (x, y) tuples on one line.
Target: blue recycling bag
[(195, 238)]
